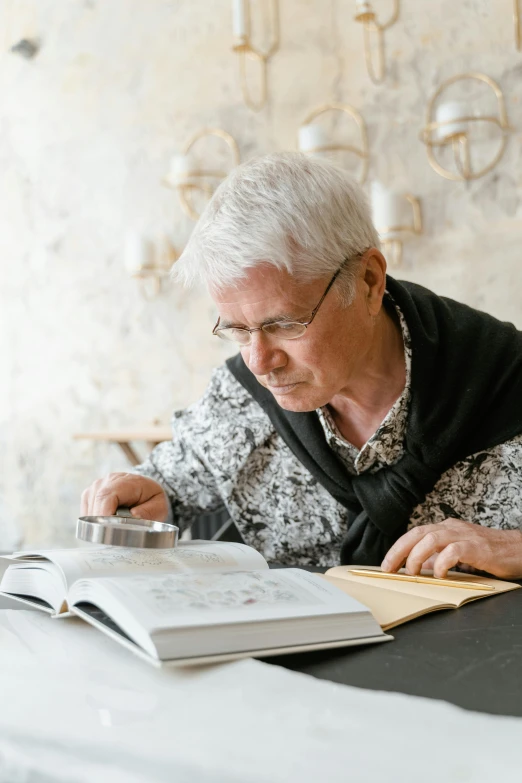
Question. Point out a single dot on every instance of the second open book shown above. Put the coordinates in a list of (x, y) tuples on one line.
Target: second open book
[(393, 602)]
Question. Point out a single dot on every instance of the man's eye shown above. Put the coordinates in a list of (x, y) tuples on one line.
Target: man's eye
[(285, 328), (238, 334)]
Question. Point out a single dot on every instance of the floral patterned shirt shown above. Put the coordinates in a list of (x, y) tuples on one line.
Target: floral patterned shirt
[(225, 450)]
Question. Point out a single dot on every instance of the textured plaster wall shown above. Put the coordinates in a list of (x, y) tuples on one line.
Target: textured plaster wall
[(86, 130)]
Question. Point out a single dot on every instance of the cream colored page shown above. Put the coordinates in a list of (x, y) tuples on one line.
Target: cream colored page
[(187, 557), (388, 608), (452, 596)]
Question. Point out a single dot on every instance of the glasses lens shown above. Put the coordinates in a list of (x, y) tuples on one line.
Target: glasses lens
[(240, 336), (285, 330)]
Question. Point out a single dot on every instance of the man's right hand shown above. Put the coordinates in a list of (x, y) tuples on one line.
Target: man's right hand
[(144, 496)]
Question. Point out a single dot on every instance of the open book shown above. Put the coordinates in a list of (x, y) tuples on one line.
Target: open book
[(199, 602), (393, 602)]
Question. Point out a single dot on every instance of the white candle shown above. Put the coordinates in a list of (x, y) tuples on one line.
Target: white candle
[(139, 253), (390, 210), (240, 18), (363, 7), (181, 168), (452, 110), (311, 138)]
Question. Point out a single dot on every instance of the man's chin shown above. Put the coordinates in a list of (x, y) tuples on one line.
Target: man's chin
[(296, 402)]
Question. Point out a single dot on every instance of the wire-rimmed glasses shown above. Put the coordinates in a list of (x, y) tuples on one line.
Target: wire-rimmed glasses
[(280, 329)]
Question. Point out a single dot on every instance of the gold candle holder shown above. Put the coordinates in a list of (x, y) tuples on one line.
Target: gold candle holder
[(518, 24), (393, 236), (318, 144), (188, 178), (150, 263), (454, 131), (244, 48), (371, 26)]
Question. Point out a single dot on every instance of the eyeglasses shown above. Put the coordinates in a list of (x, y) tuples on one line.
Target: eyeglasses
[(281, 330)]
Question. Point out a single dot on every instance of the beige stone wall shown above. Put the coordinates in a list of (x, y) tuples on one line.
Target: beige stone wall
[(86, 131)]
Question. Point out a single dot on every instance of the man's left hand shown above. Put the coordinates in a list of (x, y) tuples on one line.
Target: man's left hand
[(455, 542)]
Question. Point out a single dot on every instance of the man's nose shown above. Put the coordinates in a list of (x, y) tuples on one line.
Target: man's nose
[(263, 356)]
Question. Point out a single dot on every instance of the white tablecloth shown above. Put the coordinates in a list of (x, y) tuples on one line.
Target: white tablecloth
[(77, 707)]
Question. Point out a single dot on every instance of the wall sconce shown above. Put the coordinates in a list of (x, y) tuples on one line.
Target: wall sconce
[(395, 216), (244, 48), (187, 175), (450, 128), (149, 262), (365, 14), (314, 140)]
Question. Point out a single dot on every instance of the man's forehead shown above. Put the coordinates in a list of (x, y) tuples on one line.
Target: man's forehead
[(253, 296), (260, 284)]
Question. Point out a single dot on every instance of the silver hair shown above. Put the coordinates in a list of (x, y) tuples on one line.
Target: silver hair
[(298, 213)]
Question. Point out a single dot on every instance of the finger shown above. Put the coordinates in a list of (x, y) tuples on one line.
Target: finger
[(117, 489), (457, 552), (106, 502), (84, 502), (398, 553), (428, 564), (433, 542), (155, 508), (88, 495), (128, 489)]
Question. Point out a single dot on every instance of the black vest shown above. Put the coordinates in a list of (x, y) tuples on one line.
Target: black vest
[(466, 396)]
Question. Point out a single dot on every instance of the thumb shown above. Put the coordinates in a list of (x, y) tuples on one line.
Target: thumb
[(156, 508)]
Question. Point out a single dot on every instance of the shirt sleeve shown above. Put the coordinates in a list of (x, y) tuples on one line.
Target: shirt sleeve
[(485, 488), (188, 484), (181, 466)]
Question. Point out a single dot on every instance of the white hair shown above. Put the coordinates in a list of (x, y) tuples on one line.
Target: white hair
[(298, 213)]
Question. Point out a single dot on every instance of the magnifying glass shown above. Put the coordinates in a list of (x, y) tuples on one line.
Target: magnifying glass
[(125, 530)]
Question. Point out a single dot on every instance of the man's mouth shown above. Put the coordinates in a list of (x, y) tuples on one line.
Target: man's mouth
[(281, 388)]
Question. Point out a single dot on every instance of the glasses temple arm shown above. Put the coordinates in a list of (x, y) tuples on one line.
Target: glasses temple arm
[(330, 284)]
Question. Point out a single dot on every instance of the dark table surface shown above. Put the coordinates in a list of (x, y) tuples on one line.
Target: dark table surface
[(470, 656)]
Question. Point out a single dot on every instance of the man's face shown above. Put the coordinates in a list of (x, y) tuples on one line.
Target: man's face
[(305, 373)]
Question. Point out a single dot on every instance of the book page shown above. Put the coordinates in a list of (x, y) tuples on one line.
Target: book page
[(389, 608), (442, 595), (159, 601), (188, 556)]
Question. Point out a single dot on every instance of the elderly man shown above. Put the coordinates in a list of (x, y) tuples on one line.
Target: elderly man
[(363, 419)]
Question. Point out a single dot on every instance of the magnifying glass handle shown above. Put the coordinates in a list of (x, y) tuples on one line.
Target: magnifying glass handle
[(124, 511)]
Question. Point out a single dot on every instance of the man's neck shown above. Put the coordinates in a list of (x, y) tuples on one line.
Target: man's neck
[(359, 408)]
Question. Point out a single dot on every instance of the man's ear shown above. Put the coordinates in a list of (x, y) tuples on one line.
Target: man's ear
[(375, 279)]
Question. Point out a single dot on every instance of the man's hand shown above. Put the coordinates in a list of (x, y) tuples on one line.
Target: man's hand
[(454, 542), (144, 495)]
